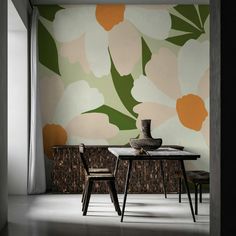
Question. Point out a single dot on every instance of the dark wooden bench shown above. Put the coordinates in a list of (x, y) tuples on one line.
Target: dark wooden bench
[(197, 178)]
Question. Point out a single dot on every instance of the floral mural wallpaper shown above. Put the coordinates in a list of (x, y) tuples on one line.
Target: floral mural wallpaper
[(103, 68)]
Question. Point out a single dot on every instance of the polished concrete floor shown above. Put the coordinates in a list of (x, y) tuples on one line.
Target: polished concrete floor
[(146, 214)]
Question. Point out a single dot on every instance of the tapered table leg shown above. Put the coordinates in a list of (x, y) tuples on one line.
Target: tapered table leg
[(196, 198), (180, 189), (163, 177), (200, 193), (187, 188), (126, 189)]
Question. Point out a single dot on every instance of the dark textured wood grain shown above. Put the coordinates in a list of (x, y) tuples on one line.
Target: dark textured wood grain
[(68, 174)]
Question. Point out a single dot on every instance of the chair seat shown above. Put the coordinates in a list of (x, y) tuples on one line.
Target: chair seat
[(100, 176), (99, 170), (198, 176)]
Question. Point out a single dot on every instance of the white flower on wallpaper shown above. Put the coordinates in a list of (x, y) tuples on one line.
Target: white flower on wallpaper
[(165, 93), (115, 26), (154, 23), (78, 97)]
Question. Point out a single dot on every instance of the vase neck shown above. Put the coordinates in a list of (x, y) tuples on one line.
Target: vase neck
[(146, 129)]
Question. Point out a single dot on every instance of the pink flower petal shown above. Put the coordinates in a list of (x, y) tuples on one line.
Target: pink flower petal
[(162, 70), (125, 47), (75, 51), (84, 126)]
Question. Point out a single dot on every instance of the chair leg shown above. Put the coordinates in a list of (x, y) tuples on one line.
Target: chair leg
[(200, 193), (85, 195), (89, 191), (114, 195), (180, 189), (84, 190), (196, 200), (111, 196)]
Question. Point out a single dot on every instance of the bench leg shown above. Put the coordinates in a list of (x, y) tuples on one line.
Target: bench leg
[(163, 178)]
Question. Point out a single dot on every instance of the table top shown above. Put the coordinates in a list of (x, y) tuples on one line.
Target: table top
[(162, 153), (66, 146)]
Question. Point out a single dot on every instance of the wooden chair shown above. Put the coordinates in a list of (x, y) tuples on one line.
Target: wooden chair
[(197, 178), (91, 177), (94, 171)]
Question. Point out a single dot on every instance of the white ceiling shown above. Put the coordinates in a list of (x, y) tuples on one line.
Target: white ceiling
[(120, 1), (14, 21)]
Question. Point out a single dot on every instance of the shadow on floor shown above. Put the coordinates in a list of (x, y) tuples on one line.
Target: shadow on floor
[(37, 228)]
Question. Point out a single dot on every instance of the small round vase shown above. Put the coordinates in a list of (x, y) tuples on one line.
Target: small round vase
[(145, 141)]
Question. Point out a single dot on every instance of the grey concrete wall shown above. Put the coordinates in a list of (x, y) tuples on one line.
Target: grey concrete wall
[(17, 107), (215, 122), (3, 113), (24, 9), (18, 186)]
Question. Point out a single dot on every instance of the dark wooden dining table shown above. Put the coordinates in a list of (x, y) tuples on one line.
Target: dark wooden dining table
[(163, 153)]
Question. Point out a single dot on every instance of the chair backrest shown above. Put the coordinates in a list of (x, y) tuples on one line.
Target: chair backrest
[(82, 158)]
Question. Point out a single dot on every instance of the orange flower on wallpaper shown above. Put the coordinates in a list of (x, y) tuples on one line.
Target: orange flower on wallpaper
[(53, 135), (109, 15), (191, 111)]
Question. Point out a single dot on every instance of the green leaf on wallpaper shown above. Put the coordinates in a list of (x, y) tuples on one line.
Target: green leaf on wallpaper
[(180, 40), (123, 86), (122, 121), (204, 12), (47, 49), (49, 11), (146, 55), (181, 25), (190, 13), (192, 21)]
